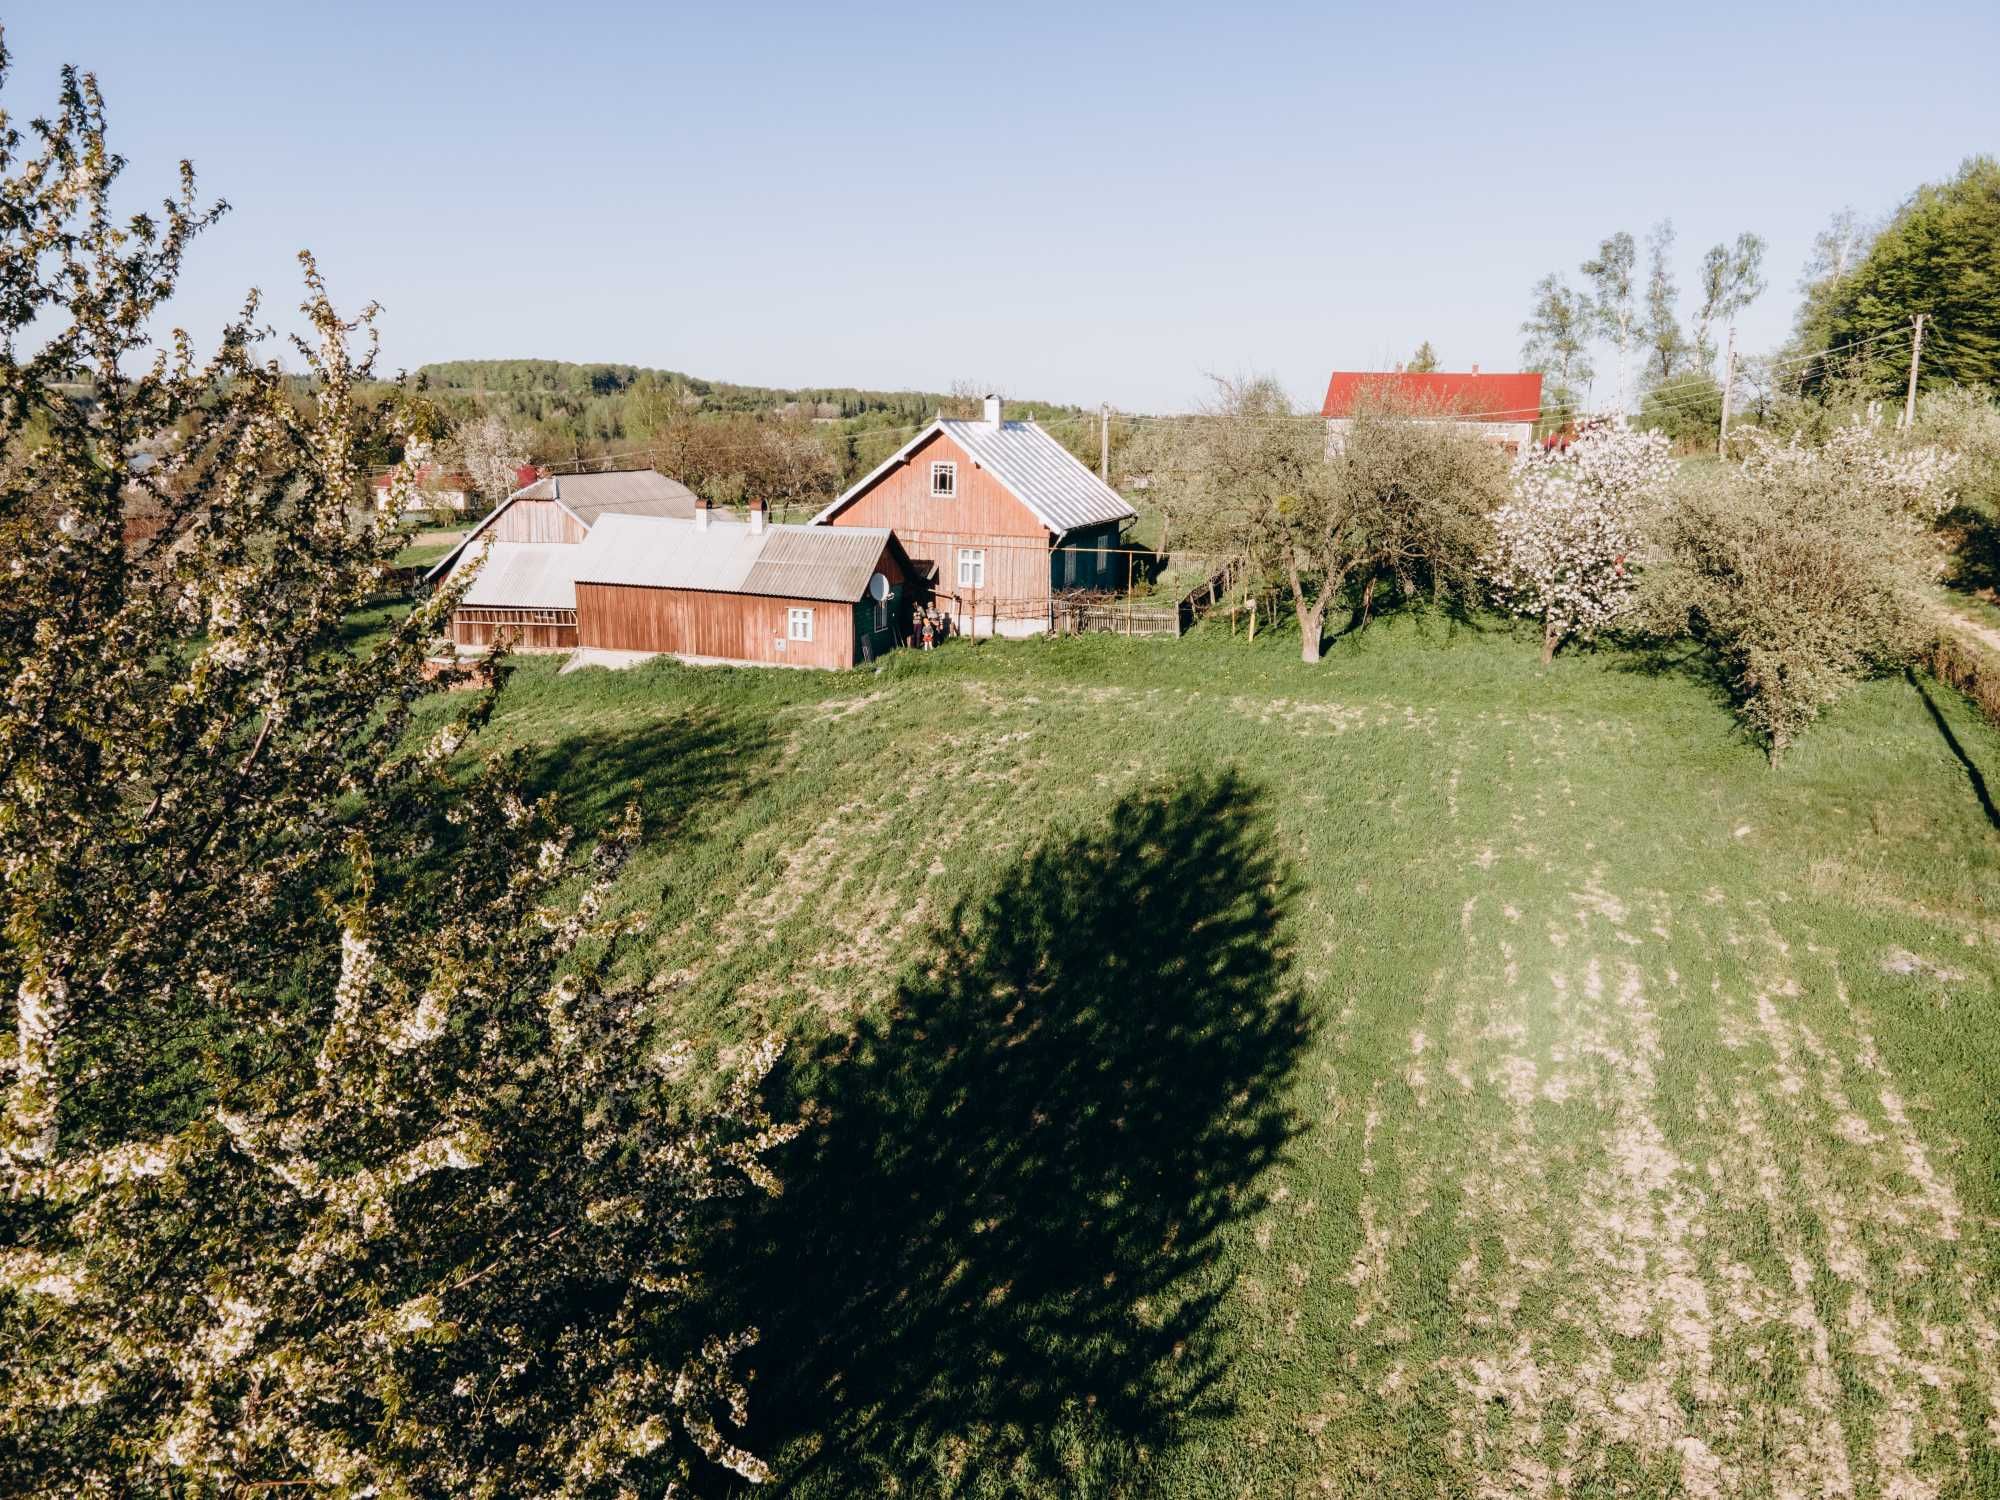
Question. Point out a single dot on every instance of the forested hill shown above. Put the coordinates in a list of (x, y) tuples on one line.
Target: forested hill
[(524, 380), (583, 411)]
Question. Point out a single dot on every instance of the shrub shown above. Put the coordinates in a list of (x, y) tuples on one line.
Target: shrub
[(1803, 568)]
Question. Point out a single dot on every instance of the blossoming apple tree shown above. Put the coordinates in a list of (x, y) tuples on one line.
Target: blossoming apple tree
[(331, 1157), (1563, 545)]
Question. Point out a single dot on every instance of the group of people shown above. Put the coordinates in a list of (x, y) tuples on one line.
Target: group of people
[(928, 626)]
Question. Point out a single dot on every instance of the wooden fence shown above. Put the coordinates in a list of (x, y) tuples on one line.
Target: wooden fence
[(1075, 613)]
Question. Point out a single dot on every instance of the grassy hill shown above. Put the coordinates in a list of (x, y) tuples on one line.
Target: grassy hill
[(1419, 1074)]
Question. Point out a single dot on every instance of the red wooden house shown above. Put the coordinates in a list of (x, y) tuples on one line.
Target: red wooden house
[(1003, 512)]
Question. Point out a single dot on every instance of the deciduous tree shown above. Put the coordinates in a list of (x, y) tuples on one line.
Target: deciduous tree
[(331, 1158), (1564, 545), (1667, 347), (490, 451), (1614, 306), (1802, 568), (1557, 340)]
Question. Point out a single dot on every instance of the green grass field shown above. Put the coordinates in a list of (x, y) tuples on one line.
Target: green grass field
[(1421, 1074)]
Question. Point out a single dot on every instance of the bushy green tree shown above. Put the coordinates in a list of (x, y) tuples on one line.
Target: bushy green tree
[(330, 1158), (1399, 499), (1939, 255), (1802, 568), (1689, 414)]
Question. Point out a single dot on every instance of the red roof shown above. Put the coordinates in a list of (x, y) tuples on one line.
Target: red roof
[(1476, 397), (426, 475)]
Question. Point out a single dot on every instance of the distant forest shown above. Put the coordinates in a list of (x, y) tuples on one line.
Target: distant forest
[(575, 413)]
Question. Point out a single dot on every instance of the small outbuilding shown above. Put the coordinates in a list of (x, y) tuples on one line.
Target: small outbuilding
[(709, 590)]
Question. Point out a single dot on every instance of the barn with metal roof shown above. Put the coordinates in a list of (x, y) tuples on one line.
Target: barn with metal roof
[(711, 590), (525, 552)]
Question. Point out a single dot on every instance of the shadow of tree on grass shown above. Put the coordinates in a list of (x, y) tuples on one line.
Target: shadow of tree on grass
[(995, 1265), (677, 769)]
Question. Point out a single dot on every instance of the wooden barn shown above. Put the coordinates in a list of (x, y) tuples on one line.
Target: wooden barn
[(709, 590), (529, 546), (1005, 513)]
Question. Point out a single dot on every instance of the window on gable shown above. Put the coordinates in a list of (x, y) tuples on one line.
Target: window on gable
[(799, 624), (944, 481), (972, 567)]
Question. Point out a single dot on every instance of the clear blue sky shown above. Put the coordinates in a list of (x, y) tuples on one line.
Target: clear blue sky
[(1076, 202)]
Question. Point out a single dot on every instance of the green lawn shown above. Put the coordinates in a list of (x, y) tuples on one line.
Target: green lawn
[(1421, 1074)]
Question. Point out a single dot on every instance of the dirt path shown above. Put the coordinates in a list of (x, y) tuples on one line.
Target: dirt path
[(1968, 627)]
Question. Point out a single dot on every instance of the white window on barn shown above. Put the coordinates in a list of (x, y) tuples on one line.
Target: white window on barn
[(944, 481), (881, 614), (799, 625), (972, 567)]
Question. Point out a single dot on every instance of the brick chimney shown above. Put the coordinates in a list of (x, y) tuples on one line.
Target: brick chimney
[(756, 514), (992, 411), (701, 508)]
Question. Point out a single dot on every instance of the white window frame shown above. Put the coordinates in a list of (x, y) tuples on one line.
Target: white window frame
[(949, 469), (881, 615), (972, 567), (798, 624)]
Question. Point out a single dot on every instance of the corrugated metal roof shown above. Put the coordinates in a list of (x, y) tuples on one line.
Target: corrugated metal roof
[(1039, 471), (625, 492), (1048, 478), (523, 575), (726, 557)]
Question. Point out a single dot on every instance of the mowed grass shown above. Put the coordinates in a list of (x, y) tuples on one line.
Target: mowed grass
[(1419, 1074)]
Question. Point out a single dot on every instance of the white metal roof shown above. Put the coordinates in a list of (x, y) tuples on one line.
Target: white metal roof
[(727, 557), (638, 492), (523, 575), (1036, 469)]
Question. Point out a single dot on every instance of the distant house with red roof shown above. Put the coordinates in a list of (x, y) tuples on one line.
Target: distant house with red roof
[(1503, 409), (434, 490)]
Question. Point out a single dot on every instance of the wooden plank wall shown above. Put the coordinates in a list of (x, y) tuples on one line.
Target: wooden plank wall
[(984, 514), (537, 521), (531, 629), (727, 627)]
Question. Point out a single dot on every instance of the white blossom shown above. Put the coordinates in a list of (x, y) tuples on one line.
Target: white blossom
[(1564, 545)]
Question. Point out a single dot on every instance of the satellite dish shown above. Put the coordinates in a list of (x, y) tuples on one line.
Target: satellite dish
[(878, 588)]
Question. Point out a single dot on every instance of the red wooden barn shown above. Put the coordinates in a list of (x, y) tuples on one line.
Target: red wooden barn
[(709, 590), (1004, 513)]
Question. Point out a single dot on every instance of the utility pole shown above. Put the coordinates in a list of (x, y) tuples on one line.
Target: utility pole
[(1728, 381), (1104, 441), (1916, 348)]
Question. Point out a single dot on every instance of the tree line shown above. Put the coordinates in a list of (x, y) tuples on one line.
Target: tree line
[(1863, 286), (791, 446)]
